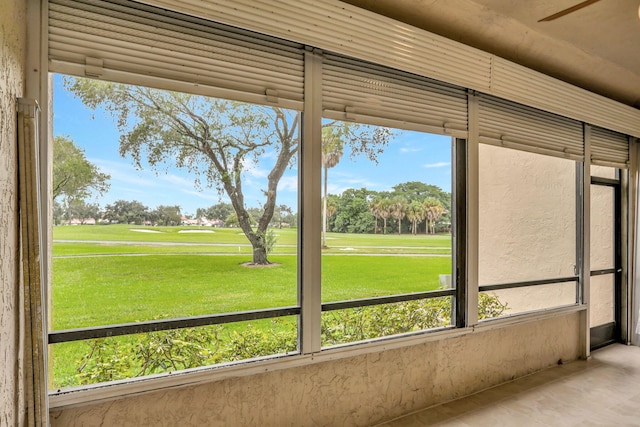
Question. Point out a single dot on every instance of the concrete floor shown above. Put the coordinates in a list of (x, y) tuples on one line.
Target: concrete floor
[(604, 391)]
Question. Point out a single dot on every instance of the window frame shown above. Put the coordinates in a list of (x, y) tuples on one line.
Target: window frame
[(308, 276), (579, 244)]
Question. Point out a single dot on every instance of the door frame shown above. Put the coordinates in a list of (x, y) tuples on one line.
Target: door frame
[(609, 333)]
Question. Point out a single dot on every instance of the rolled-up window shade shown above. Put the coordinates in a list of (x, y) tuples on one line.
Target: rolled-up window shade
[(517, 126), (609, 148), (138, 44), (361, 91)]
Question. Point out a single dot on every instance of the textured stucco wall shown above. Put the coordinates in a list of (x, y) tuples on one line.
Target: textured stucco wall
[(527, 216), (12, 59), (528, 230), (357, 391)]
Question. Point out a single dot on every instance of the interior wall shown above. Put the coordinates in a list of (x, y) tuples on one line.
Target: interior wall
[(355, 391), (12, 60)]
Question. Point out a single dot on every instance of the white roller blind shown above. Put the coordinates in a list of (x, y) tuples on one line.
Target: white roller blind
[(335, 26), (517, 126), (361, 91), (141, 44), (609, 148)]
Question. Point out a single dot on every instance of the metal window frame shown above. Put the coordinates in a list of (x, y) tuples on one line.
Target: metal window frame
[(310, 307), (388, 299), (616, 331), (79, 334), (512, 285), (579, 277)]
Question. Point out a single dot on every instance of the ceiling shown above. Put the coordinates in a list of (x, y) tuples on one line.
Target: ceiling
[(596, 47)]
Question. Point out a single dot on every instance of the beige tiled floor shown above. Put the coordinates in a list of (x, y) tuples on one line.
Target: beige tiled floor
[(604, 391)]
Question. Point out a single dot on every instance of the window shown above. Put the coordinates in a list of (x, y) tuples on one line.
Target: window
[(149, 256), (172, 211), (527, 236), (387, 232)]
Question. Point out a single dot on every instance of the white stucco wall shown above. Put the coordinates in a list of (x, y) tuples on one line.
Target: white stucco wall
[(355, 391), (527, 211), (12, 59), (528, 230)]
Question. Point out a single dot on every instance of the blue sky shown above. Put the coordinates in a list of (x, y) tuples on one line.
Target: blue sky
[(411, 156)]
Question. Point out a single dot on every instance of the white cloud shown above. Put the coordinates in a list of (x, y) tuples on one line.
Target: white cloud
[(177, 181), (206, 196), (410, 150), (288, 183), (436, 165)]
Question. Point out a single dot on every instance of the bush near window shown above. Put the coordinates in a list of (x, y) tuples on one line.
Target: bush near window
[(177, 349)]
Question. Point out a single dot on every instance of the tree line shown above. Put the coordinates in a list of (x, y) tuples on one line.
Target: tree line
[(135, 212), (411, 207)]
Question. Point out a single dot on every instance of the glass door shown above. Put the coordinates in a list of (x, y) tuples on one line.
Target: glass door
[(606, 260)]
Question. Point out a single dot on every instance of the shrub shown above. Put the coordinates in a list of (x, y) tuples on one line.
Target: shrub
[(168, 351), (270, 240)]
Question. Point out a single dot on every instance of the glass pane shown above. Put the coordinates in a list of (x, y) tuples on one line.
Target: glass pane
[(388, 214), (169, 205), (601, 305), (527, 216), (507, 302), (602, 227), (115, 358)]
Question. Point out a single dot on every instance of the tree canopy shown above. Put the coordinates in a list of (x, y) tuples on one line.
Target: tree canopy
[(366, 140), (215, 139), (403, 209), (74, 177), (126, 212)]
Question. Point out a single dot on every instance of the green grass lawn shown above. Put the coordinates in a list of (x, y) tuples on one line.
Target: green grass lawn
[(110, 274), (91, 291), (234, 237)]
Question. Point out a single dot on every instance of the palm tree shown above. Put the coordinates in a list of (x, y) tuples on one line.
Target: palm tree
[(415, 214), (376, 207), (384, 211), (332, 151), (398, 211), (330, 208), (433, 210)]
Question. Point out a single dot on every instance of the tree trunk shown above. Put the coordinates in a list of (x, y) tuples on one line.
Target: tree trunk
[(260, 255)]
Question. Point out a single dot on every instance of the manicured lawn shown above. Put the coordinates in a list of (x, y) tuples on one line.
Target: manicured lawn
[(136, 233), (234, 237), (110, 274), (106, 290), (91, 291)]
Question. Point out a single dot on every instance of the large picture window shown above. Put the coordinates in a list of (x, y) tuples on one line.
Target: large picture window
[(387, 232), (170, 207), (193, 225)]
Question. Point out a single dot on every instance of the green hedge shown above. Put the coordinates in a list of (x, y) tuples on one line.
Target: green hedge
[(111, 359)]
